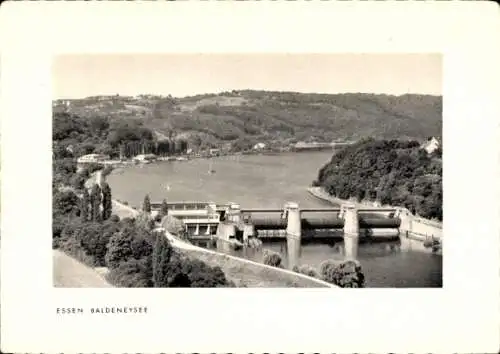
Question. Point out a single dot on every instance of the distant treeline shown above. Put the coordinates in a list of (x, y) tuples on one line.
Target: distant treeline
[(160, 148), (397, 173), (75, 136)]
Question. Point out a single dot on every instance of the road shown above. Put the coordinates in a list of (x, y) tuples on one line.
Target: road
[(69, 273)]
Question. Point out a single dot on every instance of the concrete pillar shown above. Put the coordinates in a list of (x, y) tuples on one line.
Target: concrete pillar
[(406, 220), (293, 233), (225, 230), (99, 178), (197, 230), (404, 228), (211, 209), (351, 231), (248, 231), (208, 230), (234, 213)]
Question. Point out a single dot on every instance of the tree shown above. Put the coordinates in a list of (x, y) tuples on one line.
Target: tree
[(162, 254), (94, 238), (146, 206), (163, 209), (78, 181), (66, 202), (128, 243), (107, 204), (85, 205), (95, 201)]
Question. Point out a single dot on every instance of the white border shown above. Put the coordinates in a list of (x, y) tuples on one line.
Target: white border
[(463, 317)]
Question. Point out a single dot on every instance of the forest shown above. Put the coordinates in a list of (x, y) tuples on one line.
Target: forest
[(244, 118), (75, 136), (397, 173)]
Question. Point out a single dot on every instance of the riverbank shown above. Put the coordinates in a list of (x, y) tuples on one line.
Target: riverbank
[(420, 229)]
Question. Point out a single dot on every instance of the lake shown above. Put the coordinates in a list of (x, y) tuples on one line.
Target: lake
[(270, 181)]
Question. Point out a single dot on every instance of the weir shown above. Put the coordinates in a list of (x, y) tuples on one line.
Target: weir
[(230, 224)]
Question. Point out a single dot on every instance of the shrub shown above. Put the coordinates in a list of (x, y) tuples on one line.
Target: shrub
[(66, 203), (308, 270), (346, 274), (73, 248), (128, 243), (202, 275), (173, 225), (134, 273), (145, 220), (114, 218), (272, 258)]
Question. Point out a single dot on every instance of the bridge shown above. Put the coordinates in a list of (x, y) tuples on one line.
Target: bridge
[(231, 222)]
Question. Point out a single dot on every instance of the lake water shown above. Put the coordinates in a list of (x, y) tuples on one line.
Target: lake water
[(270, 181)]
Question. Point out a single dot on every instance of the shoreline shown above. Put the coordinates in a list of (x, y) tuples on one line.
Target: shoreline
[(187, 158)]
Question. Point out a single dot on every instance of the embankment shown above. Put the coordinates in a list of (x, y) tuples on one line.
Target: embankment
[(245, 273), (420, 228)]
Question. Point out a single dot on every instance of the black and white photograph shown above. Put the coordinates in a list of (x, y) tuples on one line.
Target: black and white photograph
[(249, 177), (247, 170)]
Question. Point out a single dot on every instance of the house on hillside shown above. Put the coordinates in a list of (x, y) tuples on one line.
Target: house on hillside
[(431, 145), (92, 158), (214, 152), (145, 158), (259, 146)]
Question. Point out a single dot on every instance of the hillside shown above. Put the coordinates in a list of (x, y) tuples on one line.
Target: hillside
[(243, 118), (397, 173)]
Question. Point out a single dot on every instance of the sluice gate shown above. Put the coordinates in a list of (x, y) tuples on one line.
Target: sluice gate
[(311, 223)]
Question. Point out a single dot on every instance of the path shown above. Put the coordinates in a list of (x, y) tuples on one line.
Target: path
[(69, 273)]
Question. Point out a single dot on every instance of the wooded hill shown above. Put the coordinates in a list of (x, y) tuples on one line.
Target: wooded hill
[(397, 173), (243, 118)]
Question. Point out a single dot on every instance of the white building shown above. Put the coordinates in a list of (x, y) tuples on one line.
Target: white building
[(259, 146), (93, 158), (145, 158), (431, 145)]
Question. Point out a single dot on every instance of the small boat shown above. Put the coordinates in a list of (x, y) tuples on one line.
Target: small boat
[(181, 158)]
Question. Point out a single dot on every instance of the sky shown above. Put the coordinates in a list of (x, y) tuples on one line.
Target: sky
[(79, 76)]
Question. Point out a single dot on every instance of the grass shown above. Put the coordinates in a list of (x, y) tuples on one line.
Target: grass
[(250, 275)]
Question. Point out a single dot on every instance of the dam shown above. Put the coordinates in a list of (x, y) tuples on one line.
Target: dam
[(205, 221)]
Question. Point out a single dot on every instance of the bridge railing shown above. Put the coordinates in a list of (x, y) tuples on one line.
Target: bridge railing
[(181, 205)]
